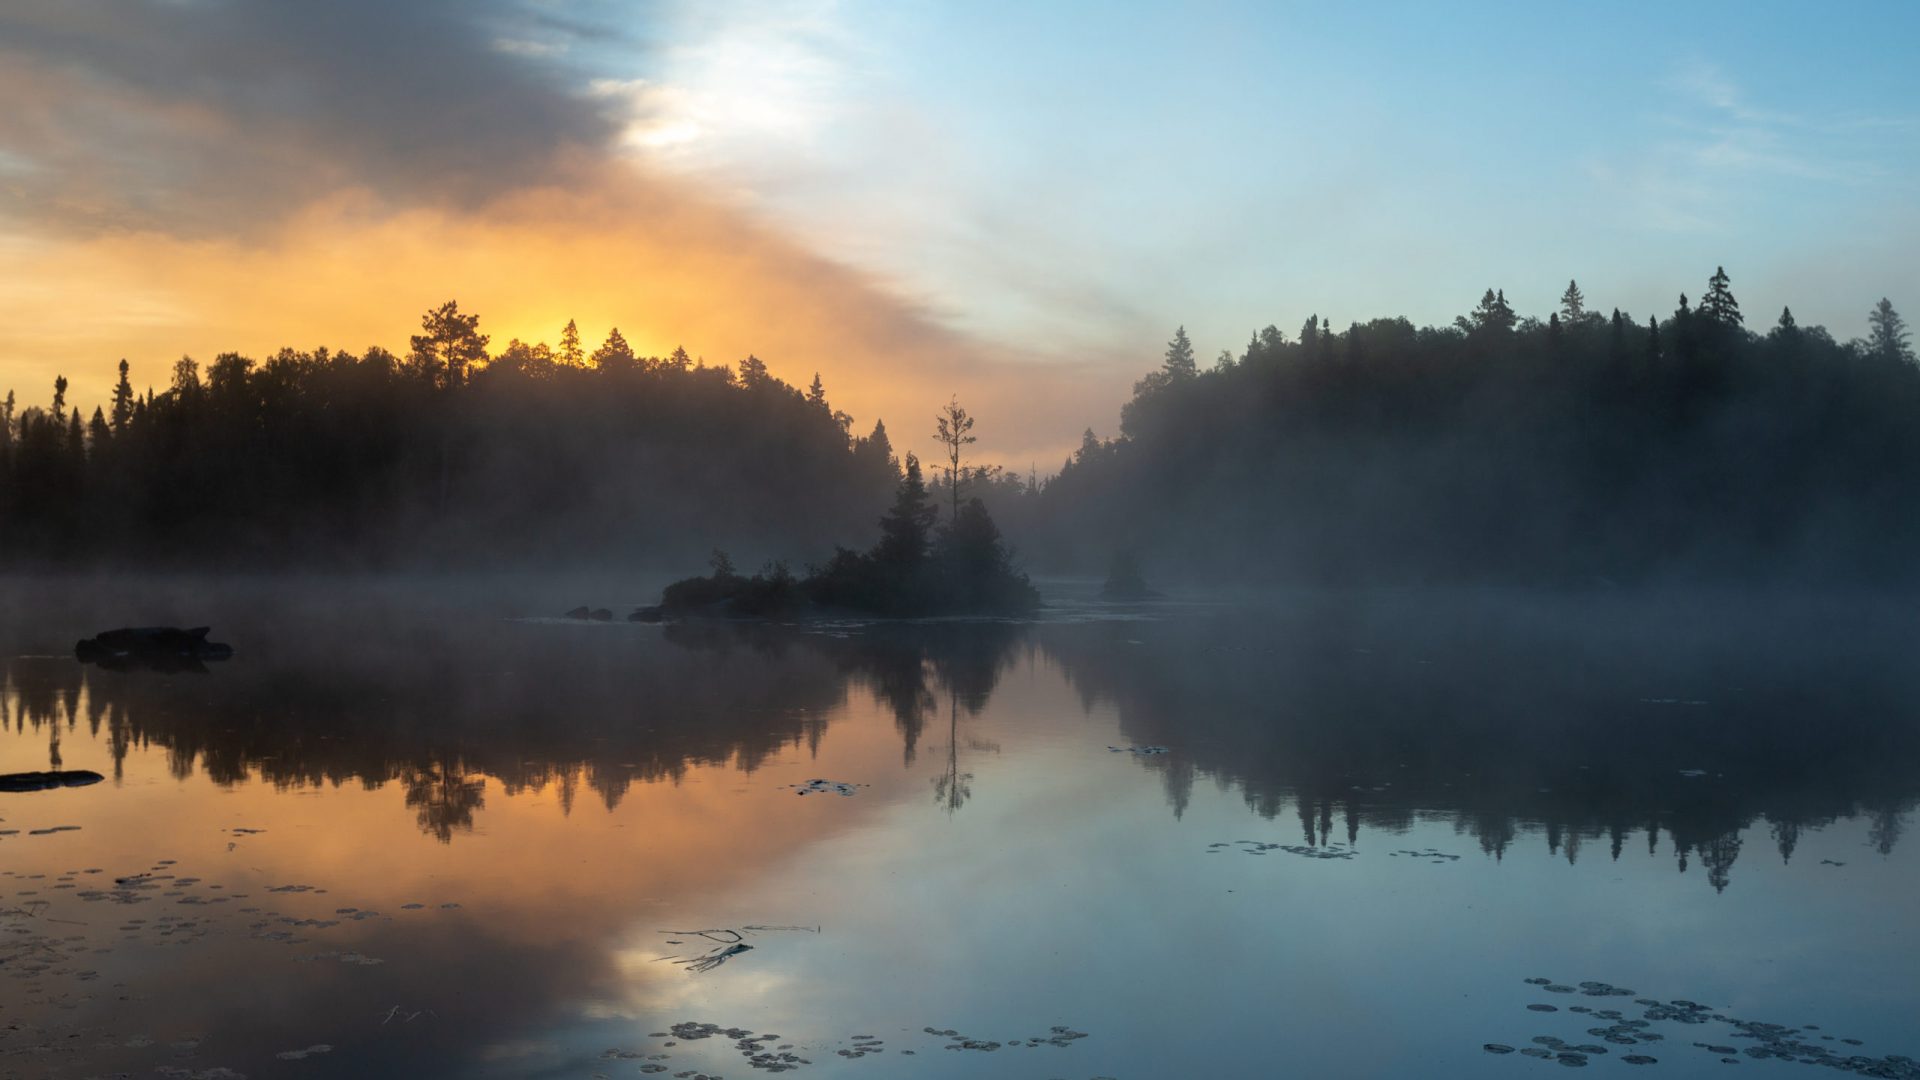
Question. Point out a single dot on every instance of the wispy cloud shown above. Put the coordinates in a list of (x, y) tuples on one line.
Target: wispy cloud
[(1707, 160)]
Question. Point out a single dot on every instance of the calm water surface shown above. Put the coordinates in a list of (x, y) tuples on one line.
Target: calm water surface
[(403, 834)]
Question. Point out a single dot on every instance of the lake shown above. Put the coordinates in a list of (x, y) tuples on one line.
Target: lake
[(419, 830)]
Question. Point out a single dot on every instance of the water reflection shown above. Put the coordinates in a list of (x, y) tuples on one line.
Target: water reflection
[(1507, 720), (474, 839)]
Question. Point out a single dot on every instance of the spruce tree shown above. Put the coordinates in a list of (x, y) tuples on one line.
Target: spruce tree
[(1573, 304), (817, 393), (122, 401), (1719, 305), (908, 525), (570, 352), (1180, 363), (1887, 333), (614, 354)]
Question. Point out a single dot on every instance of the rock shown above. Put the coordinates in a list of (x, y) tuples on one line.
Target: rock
[(651, 614), (166, 648), (47, 781), (580, 612)]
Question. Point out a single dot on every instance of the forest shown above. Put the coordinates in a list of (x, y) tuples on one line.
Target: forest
[(450, 456), (1587, 448), (1590, 448)]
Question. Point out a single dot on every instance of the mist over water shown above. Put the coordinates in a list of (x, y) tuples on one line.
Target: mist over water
[(438, 831)]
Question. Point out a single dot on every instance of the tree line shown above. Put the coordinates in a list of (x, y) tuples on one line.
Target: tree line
[(1585, 447), (449, 455)]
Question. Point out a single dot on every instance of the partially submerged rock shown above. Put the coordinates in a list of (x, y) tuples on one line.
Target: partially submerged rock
[(47, 781), (162, 647)]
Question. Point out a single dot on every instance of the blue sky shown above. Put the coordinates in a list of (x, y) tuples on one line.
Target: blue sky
[(1088, 173)]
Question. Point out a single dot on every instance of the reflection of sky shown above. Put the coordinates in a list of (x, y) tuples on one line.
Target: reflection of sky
[(1064, 892)]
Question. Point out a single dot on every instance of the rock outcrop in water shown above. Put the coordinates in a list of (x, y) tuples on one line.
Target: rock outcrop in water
[(47, 781), (151, 646)]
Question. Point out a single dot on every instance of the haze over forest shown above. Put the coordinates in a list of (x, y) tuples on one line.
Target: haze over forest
[(687, 284)]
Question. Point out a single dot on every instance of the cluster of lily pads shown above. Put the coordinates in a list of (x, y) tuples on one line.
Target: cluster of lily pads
[(1803, 1044), (1333, 850)]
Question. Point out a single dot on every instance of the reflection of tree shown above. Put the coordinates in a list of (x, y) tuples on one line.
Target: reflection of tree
[(952, 788), (443, 797), (1513, 719), (1885, 831)]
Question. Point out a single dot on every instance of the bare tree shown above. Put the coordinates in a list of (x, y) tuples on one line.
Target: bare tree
[(954, 432)]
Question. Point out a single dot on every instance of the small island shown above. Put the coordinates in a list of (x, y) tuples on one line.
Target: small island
[(916, 570)]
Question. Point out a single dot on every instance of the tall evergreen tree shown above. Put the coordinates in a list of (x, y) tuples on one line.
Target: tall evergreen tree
[(571, 355), (1887, 333), (614, 354), (98, 433), (1718, 305), (1492, 315), (122, 401), (817, 393), (753, 372), (59, 399), (1573, 305), (907, 528), (1179, 363)]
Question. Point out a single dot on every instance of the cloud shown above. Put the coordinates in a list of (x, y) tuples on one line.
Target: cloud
[(217, 115), (665, 264), (1718, 150)]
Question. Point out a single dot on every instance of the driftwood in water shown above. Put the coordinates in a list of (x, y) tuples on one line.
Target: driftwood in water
[(47, 781)]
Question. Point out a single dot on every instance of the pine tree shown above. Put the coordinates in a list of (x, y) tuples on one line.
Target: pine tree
[(1573, 305), (817, 393), (1887, 333), (59, 400), (98, 433), (614, 354), (451, 348), (679, 361), (570, 352), (1653, 338), (122, 401), (753, 372), (1719, 305), (1180, 363), (908, 525), (1786, 329), (1492, 315)]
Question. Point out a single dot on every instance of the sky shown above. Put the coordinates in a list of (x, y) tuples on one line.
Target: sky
[(1014, 203)]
